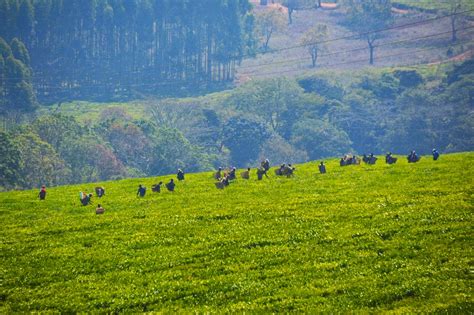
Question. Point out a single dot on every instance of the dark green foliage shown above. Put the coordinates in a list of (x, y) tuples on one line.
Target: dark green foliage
[(370, 111), (5, 49), (408, 78), (117, 49), (39, 163), (322, 87), (16, 89), (244, 136), (9, 161), (320, 139), (467, 67), (385, 87), (19, 51)]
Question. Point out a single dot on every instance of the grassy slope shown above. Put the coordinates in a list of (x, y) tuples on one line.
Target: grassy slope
[(86, 112), (358, 238)]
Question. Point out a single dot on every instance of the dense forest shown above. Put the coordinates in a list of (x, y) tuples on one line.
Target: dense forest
[(100, 49), (285, 120)]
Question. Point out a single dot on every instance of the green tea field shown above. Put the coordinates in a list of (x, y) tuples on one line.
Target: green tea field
[(369, 238)]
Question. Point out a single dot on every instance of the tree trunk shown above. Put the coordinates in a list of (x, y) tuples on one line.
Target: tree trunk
[(267, 40), (314, 57), (371, 50), (453, 29)]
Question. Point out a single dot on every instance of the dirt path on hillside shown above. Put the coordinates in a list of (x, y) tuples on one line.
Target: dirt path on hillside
[(461, 57)]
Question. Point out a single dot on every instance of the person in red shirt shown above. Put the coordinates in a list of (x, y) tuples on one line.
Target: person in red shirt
[(42, 193)]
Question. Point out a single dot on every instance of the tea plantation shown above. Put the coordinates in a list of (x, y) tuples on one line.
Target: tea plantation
[(394, 238)]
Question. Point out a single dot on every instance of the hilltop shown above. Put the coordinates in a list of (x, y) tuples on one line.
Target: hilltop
[(359, 238), (416, 44)]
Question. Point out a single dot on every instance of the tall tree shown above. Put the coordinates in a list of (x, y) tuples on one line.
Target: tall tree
[(9, 161), (25, 20), (455, 6), (269, 22), (367, 18), (313, 40)]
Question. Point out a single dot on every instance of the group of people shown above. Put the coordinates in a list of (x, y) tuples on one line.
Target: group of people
[(371, 159), (86, 198), (157, 187), (349, 160), (285, 170), (224, 178), (389, 158)]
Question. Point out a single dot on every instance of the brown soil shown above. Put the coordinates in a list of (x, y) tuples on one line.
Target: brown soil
[(461, 57), (400, 11), (329, 6)]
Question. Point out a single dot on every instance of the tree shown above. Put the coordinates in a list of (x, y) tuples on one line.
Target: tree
[(455, 6), (279, 151), (244, 136), (131, 146), (313, 39), (16, 87), (39, 163), (19, 51), (293, 5), (55, 129), (5, 49), (171, 150), (19, 90), (268, 99), (25, 19), (269, 22), (2, 83), (320, 139), (9, 161), (368, 17)]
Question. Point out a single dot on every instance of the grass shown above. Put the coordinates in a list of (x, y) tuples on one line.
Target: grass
[(91, 111), (394, 238)]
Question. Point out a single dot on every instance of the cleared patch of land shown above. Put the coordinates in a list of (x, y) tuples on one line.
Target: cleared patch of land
[(418, 44)]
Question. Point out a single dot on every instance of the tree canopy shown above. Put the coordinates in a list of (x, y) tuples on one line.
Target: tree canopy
[(113, 48)]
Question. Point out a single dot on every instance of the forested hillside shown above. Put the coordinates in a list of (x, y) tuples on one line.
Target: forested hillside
[(100, 49), (146, 54), (284, 120)]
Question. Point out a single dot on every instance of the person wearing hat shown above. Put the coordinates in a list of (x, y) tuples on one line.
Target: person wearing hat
[(180, 174)]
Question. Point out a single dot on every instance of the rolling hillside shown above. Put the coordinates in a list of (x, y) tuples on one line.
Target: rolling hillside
[(418, 43), (359, 238)]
